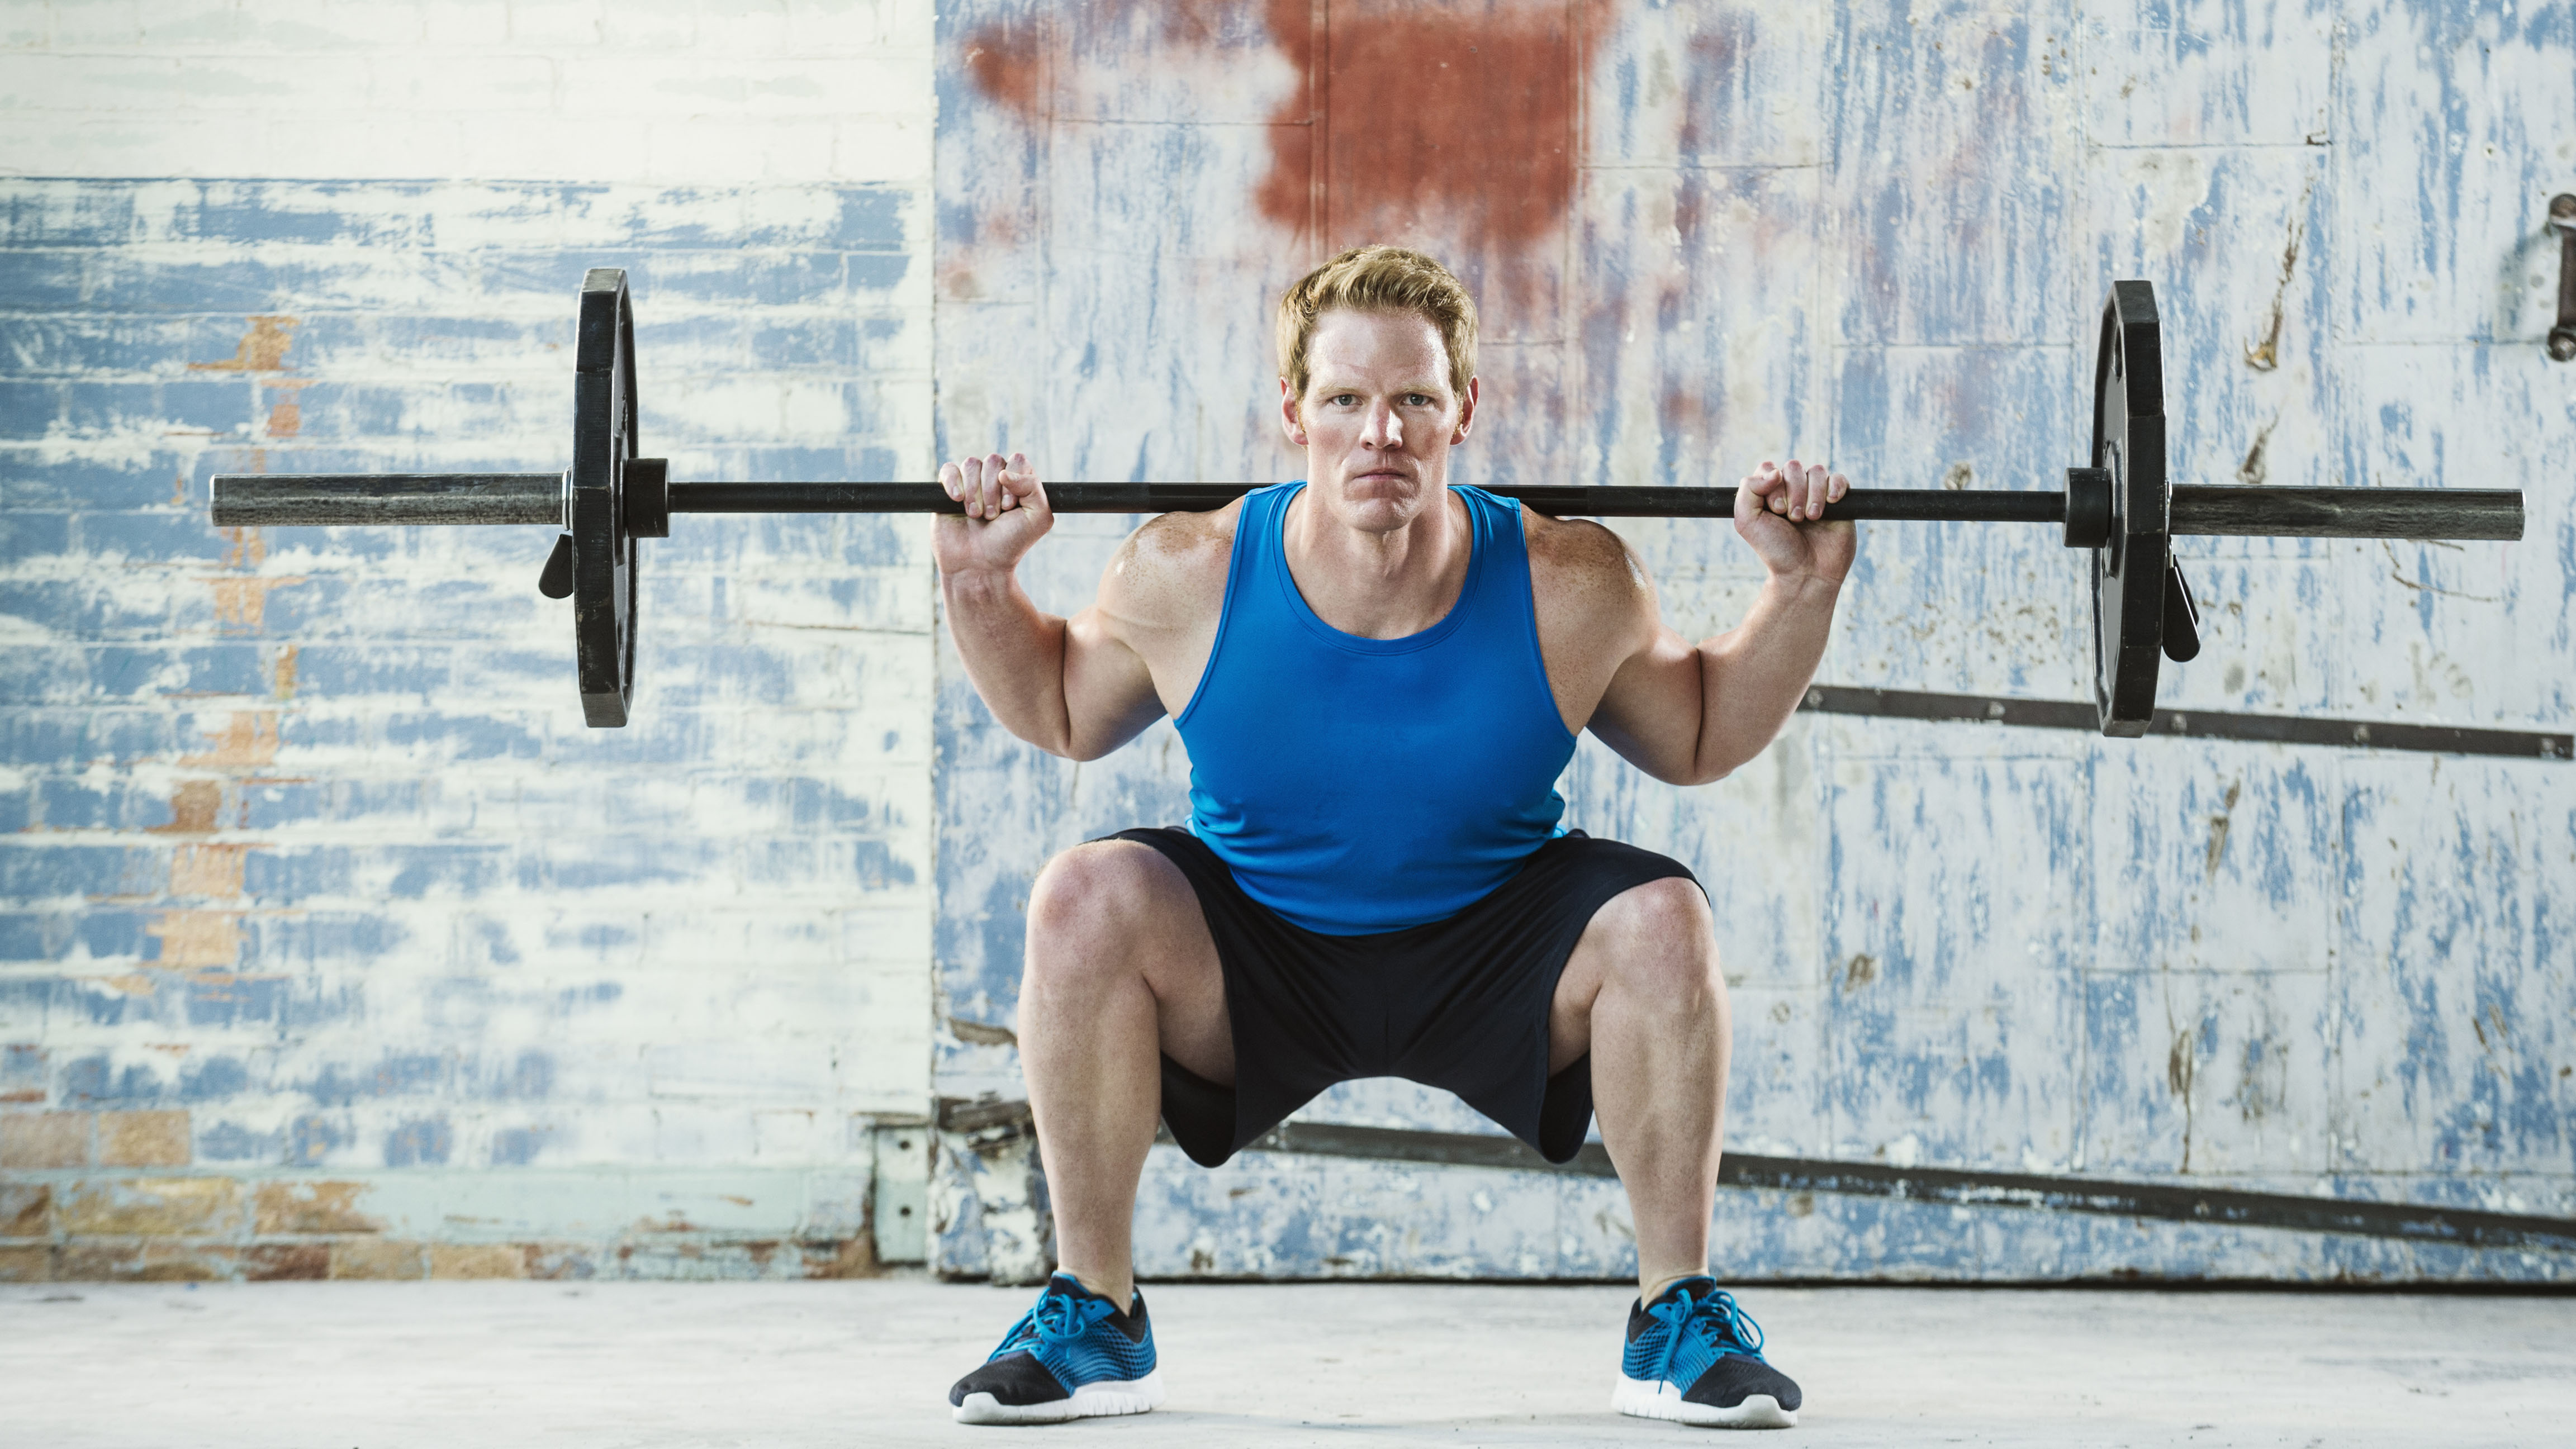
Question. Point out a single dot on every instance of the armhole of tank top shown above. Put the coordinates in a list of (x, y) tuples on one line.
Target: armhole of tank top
[(1234, 577), (1529, 611)]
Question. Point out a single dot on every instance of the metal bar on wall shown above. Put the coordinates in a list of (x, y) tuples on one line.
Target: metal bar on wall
[(2193, 723), (2169, 1202)]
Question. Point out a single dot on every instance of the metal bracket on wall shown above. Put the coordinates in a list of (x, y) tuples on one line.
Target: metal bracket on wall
[(2562, 216)]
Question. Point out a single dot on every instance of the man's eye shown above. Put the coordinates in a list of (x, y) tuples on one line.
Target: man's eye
[(1417, 399), (1346, 398)]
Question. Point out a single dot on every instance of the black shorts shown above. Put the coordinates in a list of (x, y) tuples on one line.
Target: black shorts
[(1459, 1004)]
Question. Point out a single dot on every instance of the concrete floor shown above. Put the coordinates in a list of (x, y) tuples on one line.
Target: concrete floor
[(868, 1363)]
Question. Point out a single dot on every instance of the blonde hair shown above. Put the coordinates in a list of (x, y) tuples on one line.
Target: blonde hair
[(1378, 279)]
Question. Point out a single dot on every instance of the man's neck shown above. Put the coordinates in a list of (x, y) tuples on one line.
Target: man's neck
[(1379, 584)]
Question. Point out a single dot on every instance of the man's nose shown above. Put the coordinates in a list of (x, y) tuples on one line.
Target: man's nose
[(1384, 430)]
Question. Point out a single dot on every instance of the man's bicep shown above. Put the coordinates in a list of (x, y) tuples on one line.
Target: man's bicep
[(1651, 712), (1109, 693)]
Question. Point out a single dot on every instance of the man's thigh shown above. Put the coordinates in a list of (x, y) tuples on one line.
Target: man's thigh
[(1118, 906)]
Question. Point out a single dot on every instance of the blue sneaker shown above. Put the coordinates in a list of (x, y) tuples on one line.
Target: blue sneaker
[(1695, 1358), (1072, 1356)]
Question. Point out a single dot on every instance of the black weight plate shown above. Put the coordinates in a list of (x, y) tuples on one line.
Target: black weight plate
[(2129, 568), (603, 546)]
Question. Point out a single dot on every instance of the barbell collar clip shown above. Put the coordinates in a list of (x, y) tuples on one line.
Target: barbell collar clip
[(2088, 507), (556, 581)]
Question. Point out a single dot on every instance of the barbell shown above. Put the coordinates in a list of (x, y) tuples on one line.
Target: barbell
[(2121, 506)]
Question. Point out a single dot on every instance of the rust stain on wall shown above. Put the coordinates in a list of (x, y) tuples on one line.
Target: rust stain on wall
[(1449, 125), (207, 870), (248, 738), (242, 603), (194, 806), (1450, 120), (261, 349), (197, 938), (1008, 64)]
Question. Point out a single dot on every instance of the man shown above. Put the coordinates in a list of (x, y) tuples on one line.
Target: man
[(1378, 677)]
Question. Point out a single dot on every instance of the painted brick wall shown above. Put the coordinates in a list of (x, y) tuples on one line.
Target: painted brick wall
[(1707, 234), (331, 942)]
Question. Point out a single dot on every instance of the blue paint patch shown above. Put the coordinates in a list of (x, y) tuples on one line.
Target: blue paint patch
[(467, 737), (169, 537), (574, 999), (25, 1003), (519, 1146), (311, 1139), (39, 872), (531, 1078), (403, 1075), (44, 281), (213, 1079), (92, 1081), (29, 481), (22, 1070), (426, 1142), (231, 1001), (321, 939), (26, 537), (232, 1142)]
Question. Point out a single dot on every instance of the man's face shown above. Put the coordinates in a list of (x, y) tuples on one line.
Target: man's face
[(1378, 418)]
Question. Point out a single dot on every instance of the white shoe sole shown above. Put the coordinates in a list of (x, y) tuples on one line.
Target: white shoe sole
[(1090, 1401), (1653, 1399)]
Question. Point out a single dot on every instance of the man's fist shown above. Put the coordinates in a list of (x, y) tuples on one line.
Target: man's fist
[(1006, 513), (1776, 511)]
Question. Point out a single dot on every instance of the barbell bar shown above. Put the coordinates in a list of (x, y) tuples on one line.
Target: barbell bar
[(338, 500), (2120, 506)]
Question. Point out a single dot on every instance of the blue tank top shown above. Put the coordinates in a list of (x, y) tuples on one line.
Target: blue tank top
[(1359, 785)]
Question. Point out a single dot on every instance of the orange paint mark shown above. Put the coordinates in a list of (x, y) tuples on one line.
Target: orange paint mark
[(243, 603), (286, 672), (261, 349), (249, 548), (207, 870), (285, 418), (197, 938), (193, 808), (248, 738)]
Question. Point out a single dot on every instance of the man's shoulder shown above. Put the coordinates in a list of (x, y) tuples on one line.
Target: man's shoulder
[(1175, 564), (1580, 557), (1176, 546)]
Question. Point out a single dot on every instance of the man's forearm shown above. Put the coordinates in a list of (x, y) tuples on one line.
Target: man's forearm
[(1752, 676), (1014, 654)]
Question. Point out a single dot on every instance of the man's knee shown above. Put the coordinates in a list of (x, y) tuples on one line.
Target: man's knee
[(1091, 899), (1661, 940)]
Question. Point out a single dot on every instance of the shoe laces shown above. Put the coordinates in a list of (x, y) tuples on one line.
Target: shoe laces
[(1714, 1319), (1057, 1318)]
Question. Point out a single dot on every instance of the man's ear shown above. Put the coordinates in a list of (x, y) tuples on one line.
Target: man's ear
[(1289, 417), (1466, 415)]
